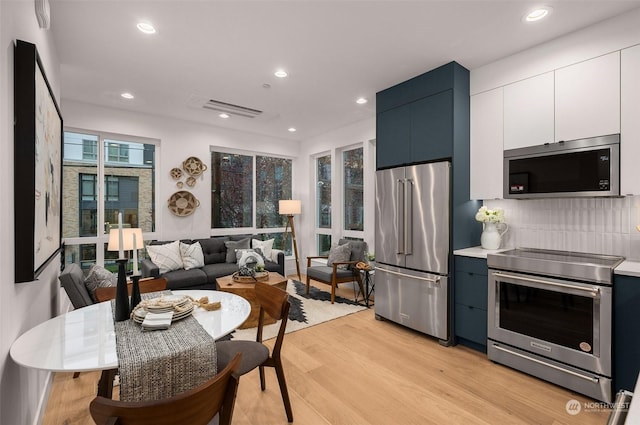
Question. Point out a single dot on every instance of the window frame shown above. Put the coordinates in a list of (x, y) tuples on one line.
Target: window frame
[(101, 240)]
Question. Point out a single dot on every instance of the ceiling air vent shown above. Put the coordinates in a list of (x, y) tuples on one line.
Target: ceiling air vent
[(231, 109)]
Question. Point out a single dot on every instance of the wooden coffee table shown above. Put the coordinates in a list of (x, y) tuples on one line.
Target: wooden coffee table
[(247, 291)]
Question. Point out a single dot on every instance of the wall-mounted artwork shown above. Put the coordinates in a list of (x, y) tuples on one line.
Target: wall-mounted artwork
[(38, 166)]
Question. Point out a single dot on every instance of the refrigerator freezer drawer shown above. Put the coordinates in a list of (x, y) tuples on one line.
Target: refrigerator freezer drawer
[(413, 299)]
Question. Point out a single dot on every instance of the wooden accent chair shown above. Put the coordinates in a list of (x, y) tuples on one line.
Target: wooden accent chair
[(334, 274), (274, 302), (106, 293), (195, 407)]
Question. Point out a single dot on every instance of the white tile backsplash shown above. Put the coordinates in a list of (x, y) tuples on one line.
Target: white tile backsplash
[(597, 225)]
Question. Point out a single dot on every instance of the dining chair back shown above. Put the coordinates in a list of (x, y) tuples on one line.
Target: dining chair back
[(274, 302), (106, 293), (195, 407)]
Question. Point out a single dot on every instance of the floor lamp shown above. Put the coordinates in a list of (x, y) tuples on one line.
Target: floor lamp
[(290, 208)]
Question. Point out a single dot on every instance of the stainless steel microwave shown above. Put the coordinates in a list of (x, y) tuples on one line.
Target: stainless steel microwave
[(576, 168)]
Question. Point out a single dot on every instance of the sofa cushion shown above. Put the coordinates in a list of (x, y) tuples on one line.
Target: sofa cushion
[(265, 246), (214, 271), (232, 246), (167, 257), (274, 267), (214, 249), (236, 238), (99, 277), (179, 279), (192, 256)]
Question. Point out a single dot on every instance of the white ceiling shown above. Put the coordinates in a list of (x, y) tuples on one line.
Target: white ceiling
[(334, 51)]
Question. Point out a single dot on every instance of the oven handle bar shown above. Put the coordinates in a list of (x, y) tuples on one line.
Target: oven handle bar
[(593, 379), (593, 291), (428, 279)]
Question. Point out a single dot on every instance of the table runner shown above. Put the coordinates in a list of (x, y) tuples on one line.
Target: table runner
[(158, 364)]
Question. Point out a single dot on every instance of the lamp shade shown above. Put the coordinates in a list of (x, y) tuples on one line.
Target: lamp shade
[(290, 206), (127, 239)]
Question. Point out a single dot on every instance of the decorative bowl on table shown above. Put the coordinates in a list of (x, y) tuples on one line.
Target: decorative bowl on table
[(255, 277)]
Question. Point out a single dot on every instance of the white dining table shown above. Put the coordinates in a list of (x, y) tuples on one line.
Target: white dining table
[(85, 340)]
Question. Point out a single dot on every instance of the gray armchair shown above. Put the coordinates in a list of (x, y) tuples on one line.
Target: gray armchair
[(334, 274)]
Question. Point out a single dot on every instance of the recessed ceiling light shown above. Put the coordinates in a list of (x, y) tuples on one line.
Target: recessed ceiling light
[(127, 95), (292, 129), (281, 73), (361, 101), (223, 115), (537, 14), (146, 28)]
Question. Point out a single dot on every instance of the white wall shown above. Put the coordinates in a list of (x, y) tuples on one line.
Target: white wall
[(178, 141), (363, 132), (24, 305)]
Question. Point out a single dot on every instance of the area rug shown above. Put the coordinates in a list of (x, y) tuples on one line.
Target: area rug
[(306, 310)]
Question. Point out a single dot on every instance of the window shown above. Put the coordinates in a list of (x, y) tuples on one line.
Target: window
[(323, 192), (234, 180), (89, 149), (117, 151), (353, 189), (96, 190)]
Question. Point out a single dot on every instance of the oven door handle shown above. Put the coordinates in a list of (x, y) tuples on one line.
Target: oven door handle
[(593, 291), (593, 379)]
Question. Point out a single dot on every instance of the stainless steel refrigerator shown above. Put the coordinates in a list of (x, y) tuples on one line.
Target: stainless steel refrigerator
[(412, 247)]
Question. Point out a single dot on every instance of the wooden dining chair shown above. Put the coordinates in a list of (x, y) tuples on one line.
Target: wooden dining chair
[(195, 407), (274, 302), (106, 293)]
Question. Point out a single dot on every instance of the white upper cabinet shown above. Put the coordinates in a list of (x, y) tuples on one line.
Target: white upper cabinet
[(528, 112), (486, 145), (630, 121), (587, 98)]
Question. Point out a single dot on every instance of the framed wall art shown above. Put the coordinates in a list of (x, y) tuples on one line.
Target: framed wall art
[(37, 166)]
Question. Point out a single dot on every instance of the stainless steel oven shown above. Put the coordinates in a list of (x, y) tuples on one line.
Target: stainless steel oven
[(550, 313)]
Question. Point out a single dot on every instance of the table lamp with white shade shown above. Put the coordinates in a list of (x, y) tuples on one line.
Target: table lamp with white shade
[(128, 239), (291, 207)]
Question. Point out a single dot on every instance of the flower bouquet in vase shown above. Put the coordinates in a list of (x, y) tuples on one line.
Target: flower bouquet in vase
[(493, 227)]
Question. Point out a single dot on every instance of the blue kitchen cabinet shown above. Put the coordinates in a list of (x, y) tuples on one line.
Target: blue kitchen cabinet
[(417, 119), (470, 302), (626, 332)]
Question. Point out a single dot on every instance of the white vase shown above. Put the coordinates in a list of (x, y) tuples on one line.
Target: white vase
[(491, 236)]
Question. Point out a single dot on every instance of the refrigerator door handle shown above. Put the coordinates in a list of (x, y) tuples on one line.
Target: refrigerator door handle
[(408, 217), (400, 216), (434, 280)]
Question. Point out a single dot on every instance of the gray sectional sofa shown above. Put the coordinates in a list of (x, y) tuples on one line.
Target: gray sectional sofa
[(215, 264)]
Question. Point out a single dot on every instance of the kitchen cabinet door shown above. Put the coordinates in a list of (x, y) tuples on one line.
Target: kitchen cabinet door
[(528, 112), (626, 327), (393, 138), (470, 302), (486, 145), (432, 127), (587, 98), (629, 122)]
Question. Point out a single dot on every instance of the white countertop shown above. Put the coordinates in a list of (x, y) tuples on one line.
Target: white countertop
[(476, 252), (626, 268)]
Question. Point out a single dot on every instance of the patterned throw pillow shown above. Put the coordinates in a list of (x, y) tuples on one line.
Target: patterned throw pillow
[(265, 246), (192, 255), (339, 253), (99, 277), (249, 257), (167, 257)]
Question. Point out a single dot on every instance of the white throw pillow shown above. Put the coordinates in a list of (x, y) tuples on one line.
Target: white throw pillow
[(192, 255), (265, 246), (249, 256), (167, 257)]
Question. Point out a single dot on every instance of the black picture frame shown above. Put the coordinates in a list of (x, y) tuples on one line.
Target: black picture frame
[(38, 135)]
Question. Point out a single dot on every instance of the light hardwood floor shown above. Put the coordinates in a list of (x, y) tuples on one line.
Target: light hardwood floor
[(358, 370)]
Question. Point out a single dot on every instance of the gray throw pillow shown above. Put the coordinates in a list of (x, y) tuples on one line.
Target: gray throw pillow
[(232, 246), (99, 277), (338, 254)]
